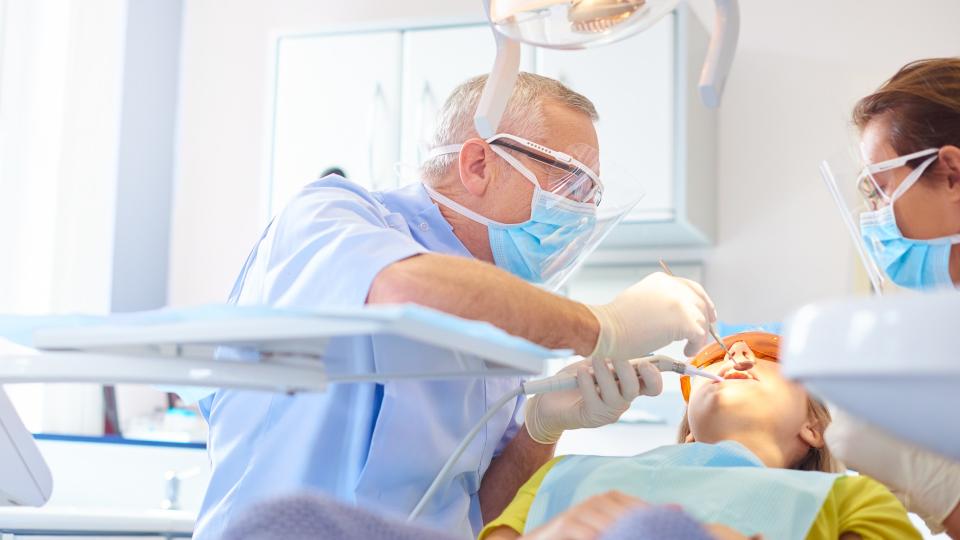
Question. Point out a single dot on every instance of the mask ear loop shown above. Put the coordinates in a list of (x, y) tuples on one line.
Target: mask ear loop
[(520, 167), (912, 178), (463, 210)]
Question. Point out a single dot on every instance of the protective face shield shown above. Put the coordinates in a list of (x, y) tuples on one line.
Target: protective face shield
[(765, 346), (866, 194), (571, 211)]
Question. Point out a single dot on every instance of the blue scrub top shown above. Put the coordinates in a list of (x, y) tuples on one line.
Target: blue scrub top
[(376, 446)]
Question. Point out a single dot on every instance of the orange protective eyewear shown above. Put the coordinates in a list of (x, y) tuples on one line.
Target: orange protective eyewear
[(765, 346)]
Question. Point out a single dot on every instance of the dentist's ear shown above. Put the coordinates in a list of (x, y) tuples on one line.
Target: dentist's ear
[(476, 166)]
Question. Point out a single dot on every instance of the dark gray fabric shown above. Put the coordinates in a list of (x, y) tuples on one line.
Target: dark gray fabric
[(309, 516), (656, 522)]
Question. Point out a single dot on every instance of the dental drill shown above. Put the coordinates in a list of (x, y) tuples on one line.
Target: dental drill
[(561, 381), (566, 381)]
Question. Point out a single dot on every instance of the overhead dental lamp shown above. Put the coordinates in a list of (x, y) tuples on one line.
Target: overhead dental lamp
[(578, 24)]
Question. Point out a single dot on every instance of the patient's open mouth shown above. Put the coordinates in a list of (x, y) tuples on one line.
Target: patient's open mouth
[(731, 374)]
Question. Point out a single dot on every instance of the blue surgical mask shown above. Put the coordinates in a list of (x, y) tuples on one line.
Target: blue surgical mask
[(908, 262), (546, 244), (915, 264)]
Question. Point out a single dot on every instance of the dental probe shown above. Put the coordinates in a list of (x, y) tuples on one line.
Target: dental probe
[(711, 327), (566, 381)]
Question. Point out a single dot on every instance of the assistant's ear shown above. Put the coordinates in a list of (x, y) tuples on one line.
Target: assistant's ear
[(950, 159), (476, 166), (689, 438)]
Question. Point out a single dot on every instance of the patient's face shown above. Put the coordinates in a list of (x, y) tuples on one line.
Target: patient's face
[(758, 400)]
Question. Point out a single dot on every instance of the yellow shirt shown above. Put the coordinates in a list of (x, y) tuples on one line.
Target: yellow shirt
[(855, 504)]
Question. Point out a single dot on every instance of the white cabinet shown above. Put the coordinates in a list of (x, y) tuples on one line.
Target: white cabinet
[(335, 103), (366, 100), (653, 125), (435, 61)]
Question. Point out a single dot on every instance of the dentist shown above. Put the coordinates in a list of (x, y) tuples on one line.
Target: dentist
[(492, 226)]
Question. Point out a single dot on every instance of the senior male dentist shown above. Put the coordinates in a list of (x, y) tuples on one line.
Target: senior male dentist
[(490, 220)]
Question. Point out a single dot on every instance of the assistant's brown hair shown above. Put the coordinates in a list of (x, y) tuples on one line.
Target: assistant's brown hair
[(921, 103)]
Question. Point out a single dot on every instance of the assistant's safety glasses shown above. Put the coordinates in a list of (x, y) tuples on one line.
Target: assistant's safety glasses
[(874, 183)]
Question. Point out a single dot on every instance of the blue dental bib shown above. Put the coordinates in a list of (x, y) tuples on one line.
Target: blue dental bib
[(715, 483)]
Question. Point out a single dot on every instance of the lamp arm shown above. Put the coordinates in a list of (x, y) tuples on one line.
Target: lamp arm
[(499, 86), (723, 46)]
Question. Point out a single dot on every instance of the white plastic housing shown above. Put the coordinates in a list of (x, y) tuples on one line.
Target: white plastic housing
[(25, 479), (891, 361), (499, 87)]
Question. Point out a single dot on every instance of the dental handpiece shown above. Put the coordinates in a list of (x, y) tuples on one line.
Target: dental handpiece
[(566, 381)]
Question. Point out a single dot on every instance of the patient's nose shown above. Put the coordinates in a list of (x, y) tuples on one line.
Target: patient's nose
[(742, 356)]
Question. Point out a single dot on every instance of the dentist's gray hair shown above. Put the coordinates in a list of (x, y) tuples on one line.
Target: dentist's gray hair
[(523, 116)]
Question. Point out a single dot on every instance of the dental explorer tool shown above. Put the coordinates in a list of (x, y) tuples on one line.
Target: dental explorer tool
[(711, 327)]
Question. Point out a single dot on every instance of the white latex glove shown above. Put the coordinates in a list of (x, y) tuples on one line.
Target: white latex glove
[(548, 415), (926, 483), (655, 312)]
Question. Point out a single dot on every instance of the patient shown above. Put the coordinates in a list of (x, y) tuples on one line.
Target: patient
[(751, 460)]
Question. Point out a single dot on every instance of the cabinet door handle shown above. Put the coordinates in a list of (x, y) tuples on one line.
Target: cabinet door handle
[(427, 117), (376, 119)]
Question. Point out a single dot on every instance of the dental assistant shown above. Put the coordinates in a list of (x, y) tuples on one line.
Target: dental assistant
[(491, 220), (910, 140)]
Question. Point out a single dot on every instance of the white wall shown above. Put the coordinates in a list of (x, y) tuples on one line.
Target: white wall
[(800, 67)]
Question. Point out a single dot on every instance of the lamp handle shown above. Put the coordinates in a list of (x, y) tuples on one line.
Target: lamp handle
[(723, 45)]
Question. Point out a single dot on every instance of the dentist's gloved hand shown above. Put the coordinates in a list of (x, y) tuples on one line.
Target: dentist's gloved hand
[(548, 415), (655, 312), (926, 483)]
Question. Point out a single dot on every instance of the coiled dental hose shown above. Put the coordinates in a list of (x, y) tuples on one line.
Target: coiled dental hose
[(445, 471), (561, 381)]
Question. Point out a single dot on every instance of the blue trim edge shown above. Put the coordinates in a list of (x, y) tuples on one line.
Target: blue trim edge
[(116, 440)]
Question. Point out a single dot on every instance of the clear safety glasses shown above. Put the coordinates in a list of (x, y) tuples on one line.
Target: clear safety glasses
[(878, 183), (560, 173), (859, 188)]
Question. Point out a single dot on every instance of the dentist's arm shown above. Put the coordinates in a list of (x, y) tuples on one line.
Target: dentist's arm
[(476, 290), (655, 312)]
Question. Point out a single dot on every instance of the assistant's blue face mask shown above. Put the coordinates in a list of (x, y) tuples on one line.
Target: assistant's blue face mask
[(908, 262)]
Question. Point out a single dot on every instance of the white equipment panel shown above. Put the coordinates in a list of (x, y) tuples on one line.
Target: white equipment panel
[(25, 479), (259, 348), (891, 361)]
